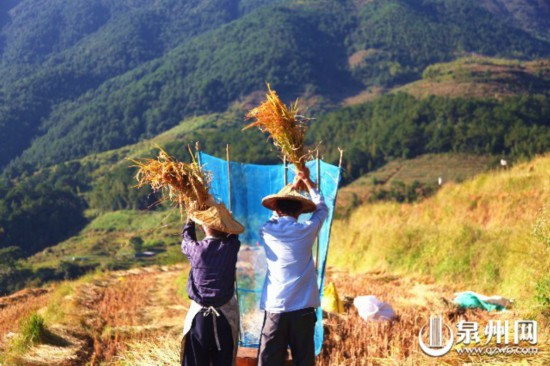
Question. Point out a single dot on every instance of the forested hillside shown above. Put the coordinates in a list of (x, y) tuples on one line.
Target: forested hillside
[(89, 76), (86, 84), (401, 126), (532, 16), (59, 50)]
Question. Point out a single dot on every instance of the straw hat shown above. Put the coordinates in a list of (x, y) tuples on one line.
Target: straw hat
[(289, 193), (219, 218)]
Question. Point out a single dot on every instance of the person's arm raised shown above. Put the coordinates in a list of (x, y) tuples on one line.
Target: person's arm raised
[(321, 211), (189, 237)]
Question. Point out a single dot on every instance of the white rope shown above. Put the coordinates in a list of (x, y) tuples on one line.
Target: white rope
[(209, 310)]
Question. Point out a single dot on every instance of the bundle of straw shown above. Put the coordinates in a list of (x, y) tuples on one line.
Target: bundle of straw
[(185, 184), (284, 125)]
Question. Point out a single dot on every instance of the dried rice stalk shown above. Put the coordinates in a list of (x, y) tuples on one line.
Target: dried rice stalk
[(185, 184), (284, 125), (158, 352)]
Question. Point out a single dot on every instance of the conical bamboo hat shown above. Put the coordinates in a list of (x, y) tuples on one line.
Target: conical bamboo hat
[(217, 217), (289, 193)]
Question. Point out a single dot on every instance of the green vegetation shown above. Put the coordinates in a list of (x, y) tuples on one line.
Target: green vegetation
[(531, 16), (408, 180), (92, 76), (391, 127), (116, 191), (401, 126), (8, 259), (405, 36), (133, 70), (60, 50), (32, 331), (108, 242), (112, 241), (34, 217), (55, 314), (481, 234)]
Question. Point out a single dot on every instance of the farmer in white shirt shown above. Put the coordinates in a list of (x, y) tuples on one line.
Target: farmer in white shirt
[(290, 294)]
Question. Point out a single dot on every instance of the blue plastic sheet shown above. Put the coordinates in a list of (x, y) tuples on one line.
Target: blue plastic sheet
[(246, 185)]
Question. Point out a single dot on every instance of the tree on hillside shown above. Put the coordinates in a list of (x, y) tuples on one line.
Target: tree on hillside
[(34, 217), (8, 259)]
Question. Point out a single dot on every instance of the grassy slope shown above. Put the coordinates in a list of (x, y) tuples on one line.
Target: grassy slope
[(425, 169), (482, 77), (106, 238), (489, 234), (471, 77)]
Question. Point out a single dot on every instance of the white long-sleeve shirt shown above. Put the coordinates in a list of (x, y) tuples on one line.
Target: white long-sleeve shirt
[(291, 282)]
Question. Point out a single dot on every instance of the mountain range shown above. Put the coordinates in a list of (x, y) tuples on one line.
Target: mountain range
[(85, 84), (85, 76)]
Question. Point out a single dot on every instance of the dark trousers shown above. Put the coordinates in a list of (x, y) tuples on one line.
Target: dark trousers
[(201, 348), (281, 330)]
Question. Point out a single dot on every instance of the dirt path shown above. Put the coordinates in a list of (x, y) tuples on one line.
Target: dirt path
[(167, 310)]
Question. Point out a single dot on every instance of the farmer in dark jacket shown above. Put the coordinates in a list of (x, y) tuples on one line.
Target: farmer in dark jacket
[(212, 322)]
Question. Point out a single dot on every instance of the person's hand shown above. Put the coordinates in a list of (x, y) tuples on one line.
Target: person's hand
[(210, 201), (296, 183), (303, 174), (302, 179)]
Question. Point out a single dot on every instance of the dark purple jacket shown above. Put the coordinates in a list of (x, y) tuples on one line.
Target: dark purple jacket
[(213, 262)]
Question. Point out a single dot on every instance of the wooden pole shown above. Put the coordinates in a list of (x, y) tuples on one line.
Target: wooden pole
[(285, 165), (197, 151), (318, 185), (230, 210), (318, 170), (228, 175), (341, 158)]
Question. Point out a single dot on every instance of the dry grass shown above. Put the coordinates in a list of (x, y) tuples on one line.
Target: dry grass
[(112, 301), (351, 341), (18, 306), (109, 306), (284, 125), (185, 184), (95, 319), (478, 234), (119, 308), (162, 351), (58, 344)]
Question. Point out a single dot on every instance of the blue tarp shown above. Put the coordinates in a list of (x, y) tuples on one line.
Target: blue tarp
[(249, 184)]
